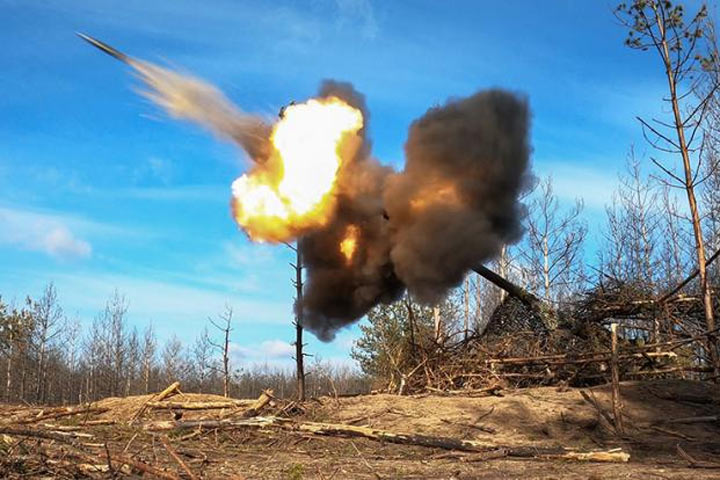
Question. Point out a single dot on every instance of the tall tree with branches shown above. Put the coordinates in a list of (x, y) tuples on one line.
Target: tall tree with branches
[(681, 42), (224, 324), (553, 245)]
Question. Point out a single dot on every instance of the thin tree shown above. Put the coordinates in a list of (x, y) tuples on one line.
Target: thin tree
[(149, 346), (224, 326), (48, 318), (553, 245), (298, 322), (202, 353), (173, 365), (686, 57)]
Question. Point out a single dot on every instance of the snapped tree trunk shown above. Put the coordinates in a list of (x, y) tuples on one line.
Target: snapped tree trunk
[(299, 355)]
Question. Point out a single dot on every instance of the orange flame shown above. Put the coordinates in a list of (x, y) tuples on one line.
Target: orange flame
[(292, 191), (444, 195), (348, 245)]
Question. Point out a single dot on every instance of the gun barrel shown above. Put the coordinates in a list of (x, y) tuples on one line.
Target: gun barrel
[(104, 47)]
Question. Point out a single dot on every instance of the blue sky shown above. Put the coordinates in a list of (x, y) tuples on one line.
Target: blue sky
[(100, 191)]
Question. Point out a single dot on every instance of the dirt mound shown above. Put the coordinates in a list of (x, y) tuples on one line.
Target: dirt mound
[(528, 423)]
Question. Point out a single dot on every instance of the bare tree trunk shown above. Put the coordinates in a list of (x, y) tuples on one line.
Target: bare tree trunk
[(438, 324), (299, 355), (692, 202), (8, 371), (467, 306), (226, 364), (503, 270), (225, 346)]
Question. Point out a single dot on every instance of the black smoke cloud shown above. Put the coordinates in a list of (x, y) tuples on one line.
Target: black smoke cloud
[(453, 207)]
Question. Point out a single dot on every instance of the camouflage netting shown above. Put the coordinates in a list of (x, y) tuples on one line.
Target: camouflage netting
[(521, 348)]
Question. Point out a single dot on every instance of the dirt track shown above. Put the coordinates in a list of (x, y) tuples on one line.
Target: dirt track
[(540, 417)]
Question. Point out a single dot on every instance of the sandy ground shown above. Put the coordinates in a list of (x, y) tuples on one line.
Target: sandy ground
[(539, 417)]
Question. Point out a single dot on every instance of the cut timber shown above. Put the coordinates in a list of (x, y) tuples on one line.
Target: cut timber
[(65, 412), (200, 405), (170, 390), (344, 430), (265, 397), (488, 391)]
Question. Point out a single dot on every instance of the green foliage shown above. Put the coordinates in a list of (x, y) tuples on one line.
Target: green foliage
[(15, 324), (652, 22), (295, 472), (395, 334)]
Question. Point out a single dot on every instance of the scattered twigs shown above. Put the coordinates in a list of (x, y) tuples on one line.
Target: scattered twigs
[(344, 430), (603, 416), (702, 419), (482, 428), (693, 463), (146, 468), (177, 458)]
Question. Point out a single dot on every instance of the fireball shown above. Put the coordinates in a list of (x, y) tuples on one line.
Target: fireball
[(293, 191), (348, 245)]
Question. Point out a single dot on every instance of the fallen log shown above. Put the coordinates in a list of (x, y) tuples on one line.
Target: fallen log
[(157, 405), (265, 397), (170, 390), (344, 430), (64, 412), (569, 360)]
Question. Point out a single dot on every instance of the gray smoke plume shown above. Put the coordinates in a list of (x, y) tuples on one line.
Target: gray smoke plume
[(456, 202), (452, 207), (337, 292), (189, 98)]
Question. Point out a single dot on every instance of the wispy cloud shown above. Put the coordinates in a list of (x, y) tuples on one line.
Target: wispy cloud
[(51, 234), (268, 350)]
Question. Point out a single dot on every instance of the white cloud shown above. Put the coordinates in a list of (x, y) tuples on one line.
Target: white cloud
[(276, 348), (42, 232), (268, 350)]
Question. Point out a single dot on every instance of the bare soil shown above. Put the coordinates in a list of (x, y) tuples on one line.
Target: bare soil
[(537, 417)]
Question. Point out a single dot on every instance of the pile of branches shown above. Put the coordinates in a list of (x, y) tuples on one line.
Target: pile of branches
[(517, 349)]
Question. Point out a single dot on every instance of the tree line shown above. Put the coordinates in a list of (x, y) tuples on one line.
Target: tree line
[(48, 358)]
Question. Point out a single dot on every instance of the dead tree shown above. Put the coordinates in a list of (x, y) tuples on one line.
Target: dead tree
[(225, 327), (660, 25), (298, 322), (553, 243)]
